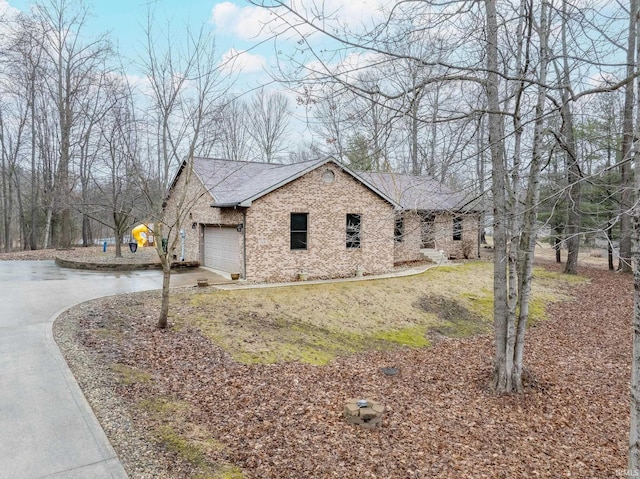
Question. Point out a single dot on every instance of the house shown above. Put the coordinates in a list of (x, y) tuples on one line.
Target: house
[(274, 222), (432, 216)]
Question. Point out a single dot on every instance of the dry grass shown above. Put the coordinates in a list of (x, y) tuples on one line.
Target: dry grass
[(315, 323), (586, 256)]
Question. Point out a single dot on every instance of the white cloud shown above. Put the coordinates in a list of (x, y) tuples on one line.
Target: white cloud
[(247, 23), (253, 23), (241, 61), (6, 9)]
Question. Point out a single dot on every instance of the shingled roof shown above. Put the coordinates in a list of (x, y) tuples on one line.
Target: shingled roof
[(418, 192), (239, 183)]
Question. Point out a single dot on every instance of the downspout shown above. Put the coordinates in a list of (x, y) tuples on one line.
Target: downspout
[(479, 235), (244, 243)]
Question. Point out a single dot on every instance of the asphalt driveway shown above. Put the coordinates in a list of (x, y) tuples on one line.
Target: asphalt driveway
[(47, 429)]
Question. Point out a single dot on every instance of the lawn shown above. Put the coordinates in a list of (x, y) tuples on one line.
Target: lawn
[(314, 323)]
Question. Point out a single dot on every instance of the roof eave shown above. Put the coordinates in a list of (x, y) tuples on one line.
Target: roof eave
[(241, 204), (396, 206)]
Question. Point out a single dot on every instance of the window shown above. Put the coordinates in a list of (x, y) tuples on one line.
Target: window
[(399, 229), (457, 228), (299, 230), (353, 231)]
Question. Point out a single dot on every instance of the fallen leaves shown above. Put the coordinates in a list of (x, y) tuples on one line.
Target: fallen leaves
[(285, 420)]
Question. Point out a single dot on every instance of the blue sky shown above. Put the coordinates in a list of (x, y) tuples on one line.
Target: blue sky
[(235, 24), (238, 26), (240, 30), (126, 18)]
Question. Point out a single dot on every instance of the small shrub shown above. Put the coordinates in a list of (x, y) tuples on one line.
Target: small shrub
[(468, 248)]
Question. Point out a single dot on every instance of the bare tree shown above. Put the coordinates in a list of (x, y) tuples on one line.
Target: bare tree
[(629, 148), (626, 179), (71, 64), (22, 58), (185, 91), (331, 125), (268, 115), (567, 142), (234, 130), (114, 186)]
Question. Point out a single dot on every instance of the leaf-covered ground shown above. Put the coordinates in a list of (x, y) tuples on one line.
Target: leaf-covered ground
[(284, 420)]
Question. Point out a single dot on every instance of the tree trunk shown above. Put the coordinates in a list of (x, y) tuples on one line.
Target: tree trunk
[(415, 161), (634, 433), (527, 244), (164, 305), (480, 168), (118, 245), (574, 175), (626, 178), (33, 242), (23, 226), (47, 227), (609, 244), (6, 203), (633, 468), (87, 236), (503, 364), (165, 260)]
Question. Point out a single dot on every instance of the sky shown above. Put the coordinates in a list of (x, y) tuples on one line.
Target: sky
[(237, 25), (234, 23), (242, 31)]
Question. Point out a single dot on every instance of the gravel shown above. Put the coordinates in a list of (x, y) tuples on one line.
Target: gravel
[(133, 446), (97, 381)]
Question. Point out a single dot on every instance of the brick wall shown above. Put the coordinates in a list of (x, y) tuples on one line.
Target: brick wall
[(409, 248), (269, 254), (443, 234), (197, 210)]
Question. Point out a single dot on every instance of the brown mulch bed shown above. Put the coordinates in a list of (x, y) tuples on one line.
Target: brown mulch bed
[(284, 420)]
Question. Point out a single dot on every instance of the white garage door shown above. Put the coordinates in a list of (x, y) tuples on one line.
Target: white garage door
[(222, 249)]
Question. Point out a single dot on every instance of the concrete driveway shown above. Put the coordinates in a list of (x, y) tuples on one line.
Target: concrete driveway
[(47, 429)]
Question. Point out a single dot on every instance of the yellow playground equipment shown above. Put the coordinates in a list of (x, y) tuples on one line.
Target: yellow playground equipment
[(141, 235)]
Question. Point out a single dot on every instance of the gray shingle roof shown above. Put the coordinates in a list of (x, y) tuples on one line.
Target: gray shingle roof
[(417, 192), (238, 183)]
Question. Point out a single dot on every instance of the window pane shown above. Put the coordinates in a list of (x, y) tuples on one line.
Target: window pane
[(298, 221), (457, 229), (298, 240), (353, 221), (353, 231), (298, 230), (399, 230)]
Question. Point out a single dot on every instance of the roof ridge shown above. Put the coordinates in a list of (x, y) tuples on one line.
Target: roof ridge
[(275, 165)]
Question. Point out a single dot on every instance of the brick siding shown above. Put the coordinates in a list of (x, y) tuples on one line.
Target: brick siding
[(198, 211), (443, 235), (268, 248), (409, 248)]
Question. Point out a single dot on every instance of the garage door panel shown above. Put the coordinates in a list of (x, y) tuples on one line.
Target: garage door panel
[(222, 249)]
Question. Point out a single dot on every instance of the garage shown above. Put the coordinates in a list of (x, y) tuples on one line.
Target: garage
[(222, 248)]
